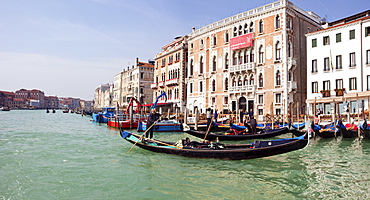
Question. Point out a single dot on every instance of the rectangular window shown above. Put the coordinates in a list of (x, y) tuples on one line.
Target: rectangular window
[(326, 40), (326, 85), (314, 42), (200, 86), (315, 87), (278, 111), (352, 34), (226, 100), (368, 57), (368, 82), (367, 31), (260, 111), (339, 84), (260, 99), (352, 60), (314, 66), (191, 88), (278, 98), (338, 62), (352, 83), (338, 37), (326, 64)]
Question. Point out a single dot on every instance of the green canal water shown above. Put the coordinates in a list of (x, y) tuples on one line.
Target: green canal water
[(67, 156)]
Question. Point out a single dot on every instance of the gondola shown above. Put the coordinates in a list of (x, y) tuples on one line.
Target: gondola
[(265, 133), (328, 131), (196, 149), (365, 129), (346, 130)]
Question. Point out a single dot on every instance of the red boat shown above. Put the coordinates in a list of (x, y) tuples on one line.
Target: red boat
[(123, 121)]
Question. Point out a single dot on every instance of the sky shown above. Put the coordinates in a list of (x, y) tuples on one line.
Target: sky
[(67, 48)]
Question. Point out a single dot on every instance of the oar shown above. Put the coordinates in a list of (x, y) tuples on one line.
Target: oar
[(143, 134), (209, 128), (160, 142)]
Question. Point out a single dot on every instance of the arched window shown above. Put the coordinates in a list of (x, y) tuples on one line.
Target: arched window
[(277, 22), (278, 50), (240, 82), (213, 85), (226, 86), (235, 58), (246, 57), (215, 40), (235, 31), (245, 80), (290, 53), (260, 54), (169, 94), (240, 29), (201, 65), (251, 29), (260, 26), (241, 57), (191, 67), (234, 82), (227, 37), (252, 55), (245, 28), (227, 61), (251, 80), (260, 80), (214, 64), (278, 78), (289, 23)]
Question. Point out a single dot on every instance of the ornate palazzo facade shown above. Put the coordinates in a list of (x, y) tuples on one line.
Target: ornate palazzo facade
[(253, 60)]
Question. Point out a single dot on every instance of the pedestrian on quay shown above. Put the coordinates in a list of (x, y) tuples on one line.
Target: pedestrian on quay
[(152, 118), (241, 115), (253, 124)]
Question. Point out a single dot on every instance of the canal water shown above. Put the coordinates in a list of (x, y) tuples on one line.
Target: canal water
[(67, 156)]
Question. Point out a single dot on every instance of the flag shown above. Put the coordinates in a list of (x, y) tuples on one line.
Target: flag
[(156, 101)]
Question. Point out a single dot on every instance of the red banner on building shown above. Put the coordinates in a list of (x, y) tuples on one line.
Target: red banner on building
[(241, 41)]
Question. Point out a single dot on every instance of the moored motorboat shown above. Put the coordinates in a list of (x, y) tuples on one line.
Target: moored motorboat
[(125, 121), (103, 117), (196, 149), (164, 125)]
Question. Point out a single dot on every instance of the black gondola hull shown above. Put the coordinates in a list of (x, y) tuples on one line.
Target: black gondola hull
[(231, 152), (221, 137)]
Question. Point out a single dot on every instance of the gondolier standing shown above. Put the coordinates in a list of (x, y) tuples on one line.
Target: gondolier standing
[(209, 117), (153, 117)]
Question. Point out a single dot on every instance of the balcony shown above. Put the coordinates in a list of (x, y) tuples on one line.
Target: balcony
[(339, 92), (325, 93), (292, 86), (174, 81), (161, 84), (250, 88), (292, 62), (154, 85), (251, 66)]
